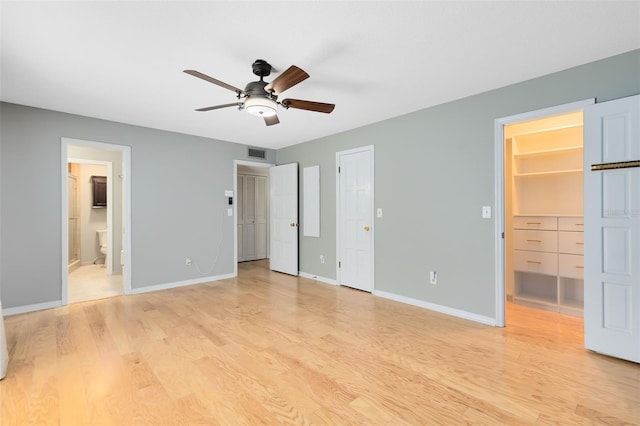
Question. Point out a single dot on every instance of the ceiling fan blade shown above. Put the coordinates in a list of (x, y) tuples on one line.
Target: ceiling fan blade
[(270, 121), (308, 105), (292, 76), (214, 81), (218, 106)]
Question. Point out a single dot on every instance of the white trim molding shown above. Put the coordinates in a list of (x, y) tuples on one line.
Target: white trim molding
[(317, 278), (437, 308), (176, 284), (31, 308)]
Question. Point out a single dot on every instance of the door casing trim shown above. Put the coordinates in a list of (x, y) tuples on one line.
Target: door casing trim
[(499, 196)]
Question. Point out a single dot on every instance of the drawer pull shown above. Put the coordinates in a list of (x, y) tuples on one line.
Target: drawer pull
[(534, 261), (534, 223), (579, 224), (534, 241), (579, 267), (580, 244)]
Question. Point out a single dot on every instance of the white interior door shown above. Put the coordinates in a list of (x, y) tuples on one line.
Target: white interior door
[(283, 184), (612, 228), (355, 218)]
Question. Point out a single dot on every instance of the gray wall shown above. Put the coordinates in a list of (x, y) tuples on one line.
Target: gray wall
[(434, 169), (178, 202)]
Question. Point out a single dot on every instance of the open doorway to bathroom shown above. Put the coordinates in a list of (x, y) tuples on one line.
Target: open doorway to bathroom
[(95, 238), (92, 274)]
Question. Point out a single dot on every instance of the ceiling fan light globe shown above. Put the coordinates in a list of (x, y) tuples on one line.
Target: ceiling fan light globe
[(260, 107)]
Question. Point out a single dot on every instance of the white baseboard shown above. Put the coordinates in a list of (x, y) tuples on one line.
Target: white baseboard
[(167, 286), (31, 308), (317, 278), (57, 303), (438, 308)]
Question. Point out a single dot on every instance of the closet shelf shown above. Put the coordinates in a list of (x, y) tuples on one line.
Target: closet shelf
[(549, 173), (530, 298), (572, 303), (545, 152)]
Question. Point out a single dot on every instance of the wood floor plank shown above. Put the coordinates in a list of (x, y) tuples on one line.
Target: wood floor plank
[(269, 348)]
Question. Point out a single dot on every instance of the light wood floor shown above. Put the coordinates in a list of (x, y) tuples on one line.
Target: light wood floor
[(267, 348)]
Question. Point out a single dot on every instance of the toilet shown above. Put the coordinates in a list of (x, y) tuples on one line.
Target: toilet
[(102, 240)]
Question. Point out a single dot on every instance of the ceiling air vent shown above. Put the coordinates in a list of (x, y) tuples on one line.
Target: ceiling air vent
[(257, 153)]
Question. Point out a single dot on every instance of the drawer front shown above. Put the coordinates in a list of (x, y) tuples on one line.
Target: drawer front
[(535, 261), (571, 266), (572, 223), (535, 222), (524, 239), (571, 242)]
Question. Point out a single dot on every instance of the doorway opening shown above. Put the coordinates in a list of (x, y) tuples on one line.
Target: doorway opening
[(251, 218), (95, 218), (539, 200)]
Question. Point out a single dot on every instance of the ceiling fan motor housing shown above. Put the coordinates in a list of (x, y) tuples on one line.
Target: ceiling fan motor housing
[(261, 68), (256, 89)]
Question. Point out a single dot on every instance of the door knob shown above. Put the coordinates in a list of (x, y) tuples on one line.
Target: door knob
[(293, 225), (366, 228)]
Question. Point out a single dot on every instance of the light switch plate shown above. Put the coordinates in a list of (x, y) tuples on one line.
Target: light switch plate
[(379, 212), (486, 212), (229, 212)]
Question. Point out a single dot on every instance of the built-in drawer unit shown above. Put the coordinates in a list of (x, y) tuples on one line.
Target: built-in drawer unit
[(549, 223), (571, 223), (526, 239), (548, 263), (571, 266), (571, 242), (535, 261)]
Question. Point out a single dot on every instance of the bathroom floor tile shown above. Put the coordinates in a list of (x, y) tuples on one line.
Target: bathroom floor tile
[(91, 282)]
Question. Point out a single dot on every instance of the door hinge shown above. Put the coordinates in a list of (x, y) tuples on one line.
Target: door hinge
[(503, 235), (338, 169), (339, 264)]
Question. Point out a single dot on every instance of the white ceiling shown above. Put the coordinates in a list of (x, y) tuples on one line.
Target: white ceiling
[(123, 61)]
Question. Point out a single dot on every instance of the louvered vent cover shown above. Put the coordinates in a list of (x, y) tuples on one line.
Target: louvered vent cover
[(257, 153)]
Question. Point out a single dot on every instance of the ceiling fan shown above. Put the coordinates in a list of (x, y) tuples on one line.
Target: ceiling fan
[(260, 98)]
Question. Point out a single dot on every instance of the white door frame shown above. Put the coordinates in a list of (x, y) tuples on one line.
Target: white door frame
[(126, 210), (236, 163), (500, 302), (373, 228)]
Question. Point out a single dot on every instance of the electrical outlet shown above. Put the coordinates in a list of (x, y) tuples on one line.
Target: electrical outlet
[(322, 258), (433, 277), (187, 262)]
